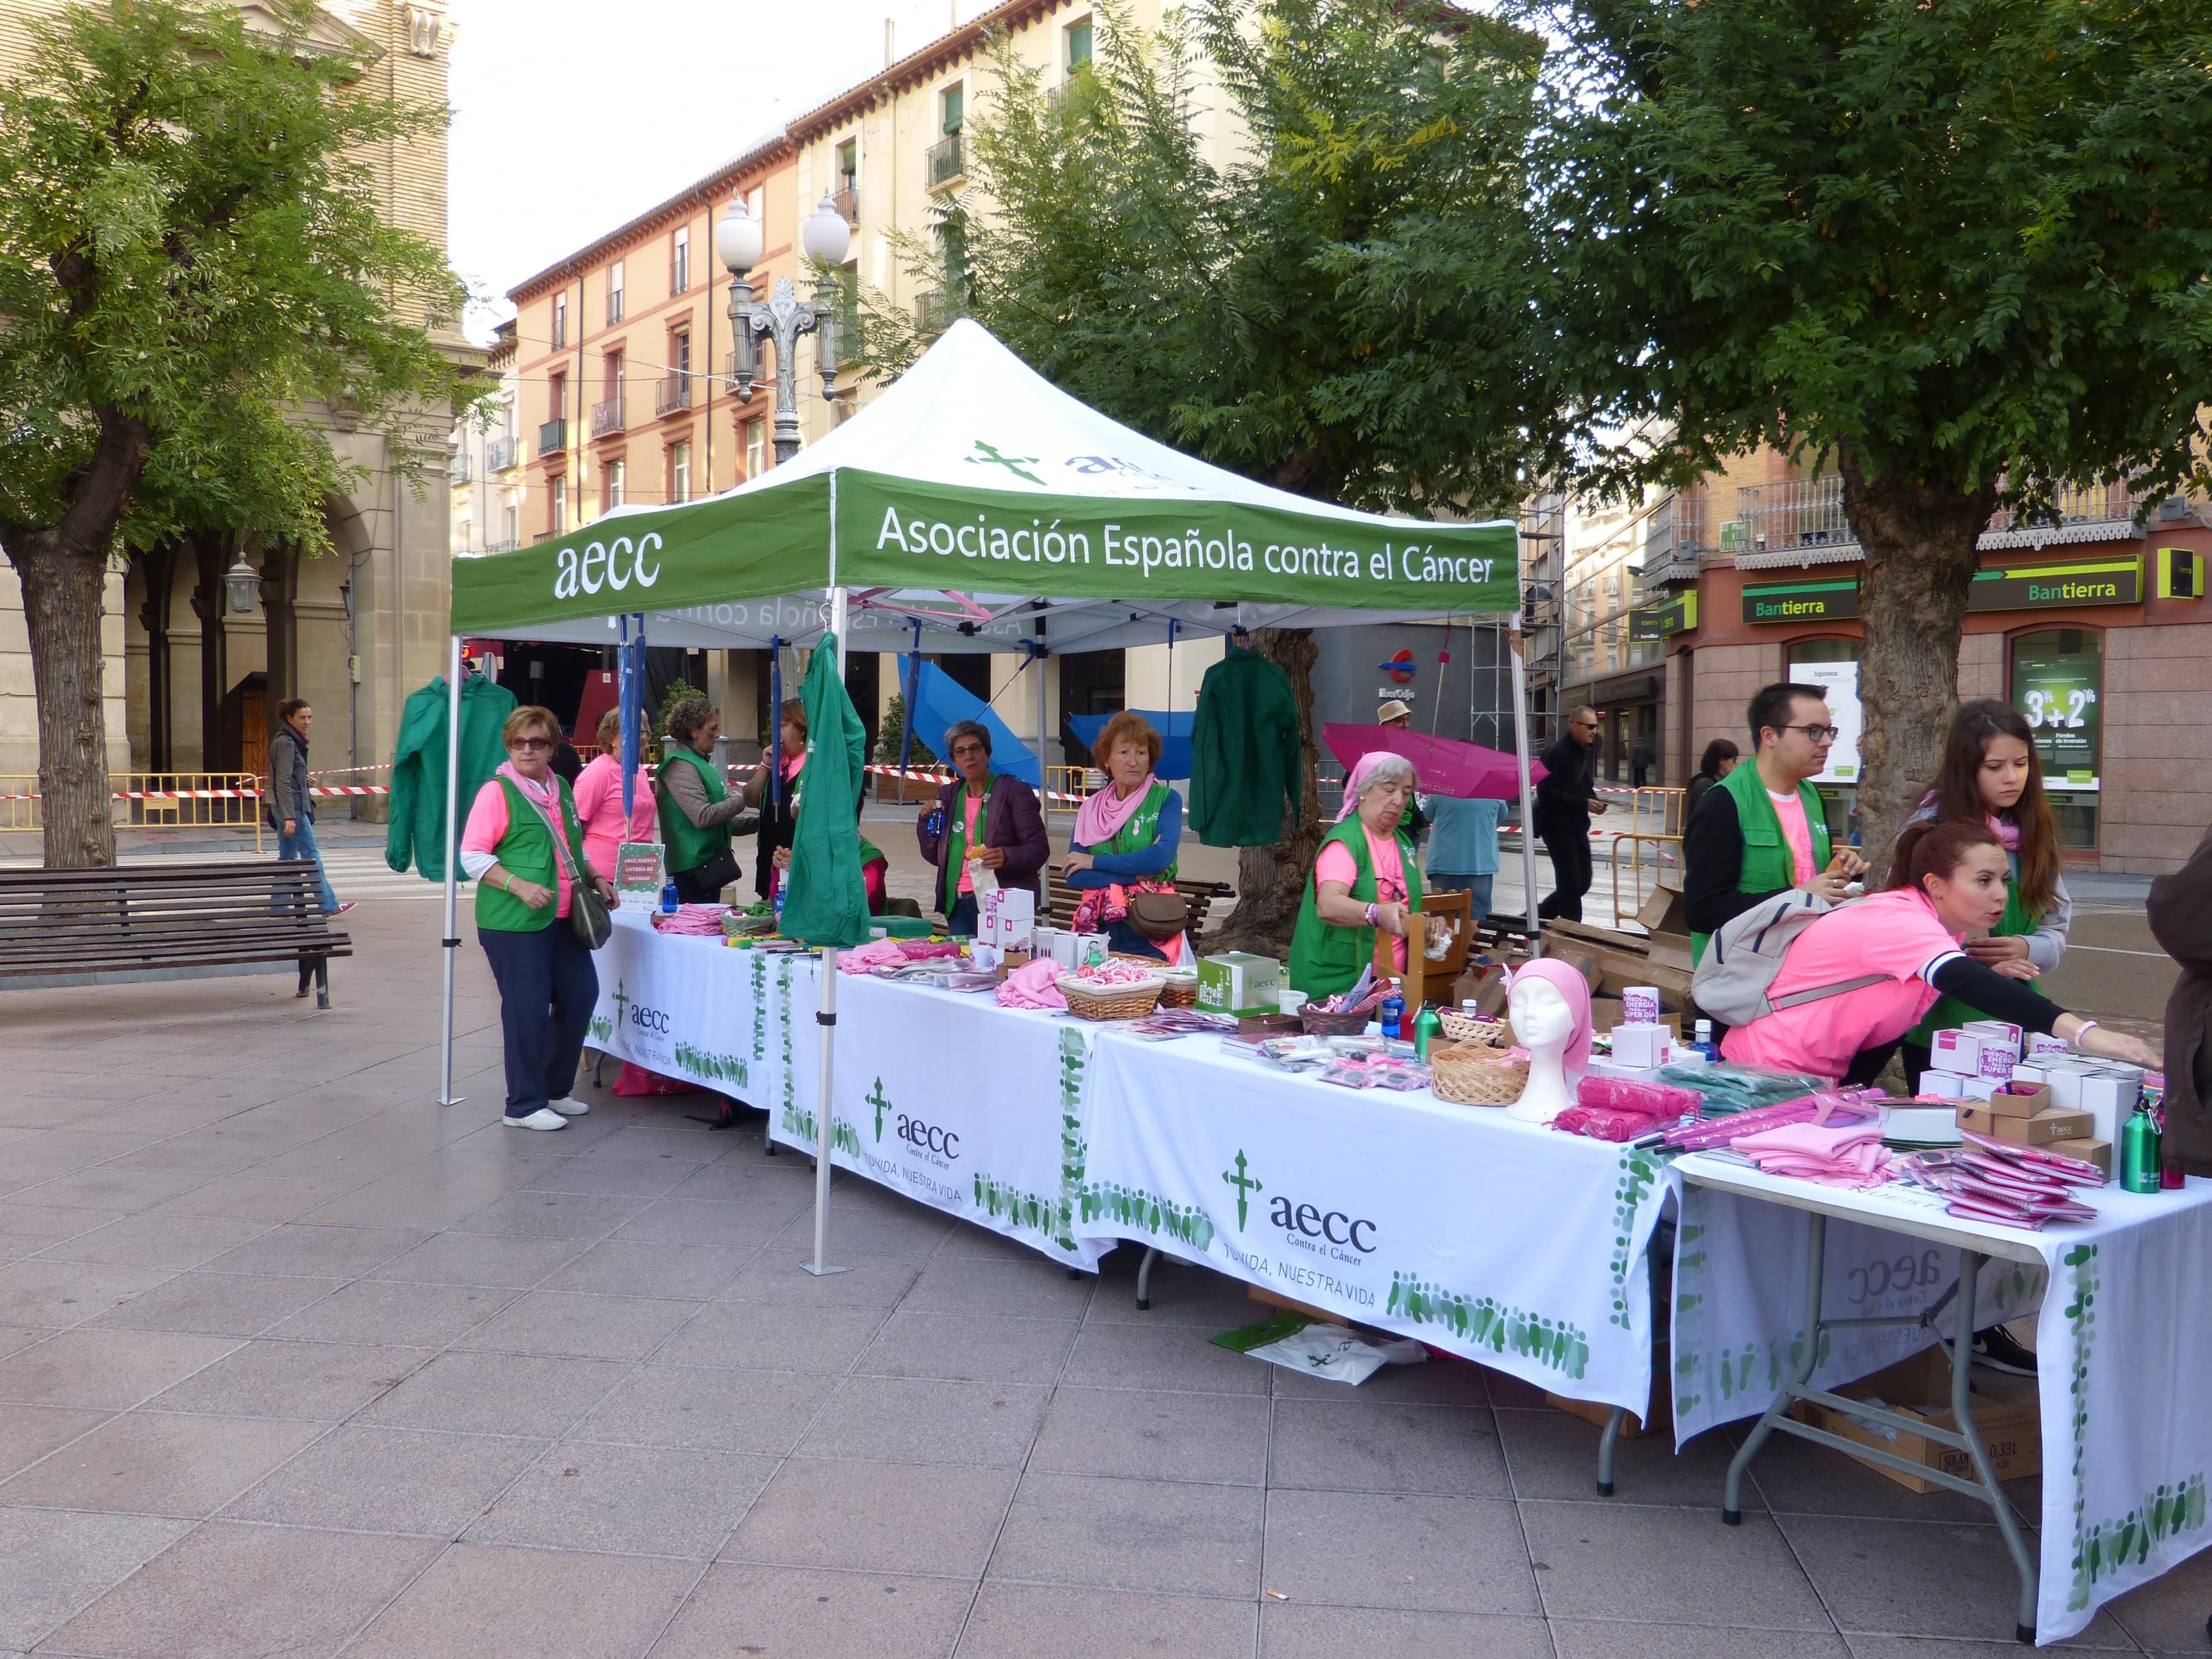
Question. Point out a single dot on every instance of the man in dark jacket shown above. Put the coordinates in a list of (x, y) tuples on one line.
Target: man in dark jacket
[(2180, 912), (1565, 800), (1008, 819)]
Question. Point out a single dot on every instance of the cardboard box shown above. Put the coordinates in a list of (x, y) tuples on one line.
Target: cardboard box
[(1606, 1015), (2041, 1130), (2007, 1413), (1977, 1087), (1238, 983), (2099, 1152), (2042, 1043), (2002, 1030), (1958, 1053), (1006, 917), (1998, 1058), (1641, 1046), (1932, 1123), (2020, 1099)]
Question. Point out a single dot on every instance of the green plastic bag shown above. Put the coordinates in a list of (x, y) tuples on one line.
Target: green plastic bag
[(826, 901)]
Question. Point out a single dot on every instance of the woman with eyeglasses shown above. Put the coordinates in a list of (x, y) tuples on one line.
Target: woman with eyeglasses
[(547, 985)]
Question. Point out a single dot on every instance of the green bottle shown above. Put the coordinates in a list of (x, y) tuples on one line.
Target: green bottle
[(1426, 1025), (2139, 1151)]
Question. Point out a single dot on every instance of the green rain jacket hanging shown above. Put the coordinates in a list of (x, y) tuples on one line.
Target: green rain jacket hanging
[(827, 901)]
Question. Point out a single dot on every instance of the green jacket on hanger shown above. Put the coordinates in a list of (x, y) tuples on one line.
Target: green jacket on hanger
[(1246, 760), (417, 831)]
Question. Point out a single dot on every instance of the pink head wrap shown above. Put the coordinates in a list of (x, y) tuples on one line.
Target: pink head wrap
[(1363, 771), (1575, 988)]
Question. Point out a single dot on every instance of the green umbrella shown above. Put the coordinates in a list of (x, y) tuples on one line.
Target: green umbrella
[(826, 902)]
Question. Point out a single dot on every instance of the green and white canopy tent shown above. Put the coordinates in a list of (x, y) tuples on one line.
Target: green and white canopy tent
[(975, 506)]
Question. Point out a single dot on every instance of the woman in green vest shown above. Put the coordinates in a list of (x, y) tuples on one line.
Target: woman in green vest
[(547, 985), (1365, 879), (1125, 839), (697, 815), (1992, 773)]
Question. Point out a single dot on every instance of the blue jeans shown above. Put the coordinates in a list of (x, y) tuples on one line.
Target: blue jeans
[(301, 844), (1477, 888), (547, 987)]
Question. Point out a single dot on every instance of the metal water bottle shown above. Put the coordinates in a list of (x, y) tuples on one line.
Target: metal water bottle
[(669, 901), (2139, 1142), (1427, 1025), (1393, 1015)]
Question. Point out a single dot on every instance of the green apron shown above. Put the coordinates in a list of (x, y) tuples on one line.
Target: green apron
[(955, 838), (1326, 958), (1948, 1012), (1768, 864)]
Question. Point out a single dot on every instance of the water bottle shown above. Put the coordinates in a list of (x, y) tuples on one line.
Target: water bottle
[(936, 825), (1393, 1015), (2139, 1151), (1704, 1044), (1428, 1025), (668, 899)]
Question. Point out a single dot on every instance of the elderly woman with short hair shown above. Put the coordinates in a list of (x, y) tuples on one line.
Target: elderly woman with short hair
[(1365, 880), (1125, 840), (698, 815), (988, 819)]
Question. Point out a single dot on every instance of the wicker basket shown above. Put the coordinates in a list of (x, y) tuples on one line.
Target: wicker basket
[(1086, 1001), (1350, 1023), (1179, 992), (1459, 1028), (1470, 1074)]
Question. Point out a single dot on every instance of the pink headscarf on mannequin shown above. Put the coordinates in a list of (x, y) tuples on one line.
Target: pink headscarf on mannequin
[(1575, 988)]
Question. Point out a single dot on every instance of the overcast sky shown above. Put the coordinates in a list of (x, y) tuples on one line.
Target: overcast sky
[(571, 117)]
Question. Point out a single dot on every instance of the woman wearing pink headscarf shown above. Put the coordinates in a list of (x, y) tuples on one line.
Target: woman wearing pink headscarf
[(1365, 880)]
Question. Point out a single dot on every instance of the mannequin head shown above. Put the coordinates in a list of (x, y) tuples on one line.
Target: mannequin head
[(1550, 1005)]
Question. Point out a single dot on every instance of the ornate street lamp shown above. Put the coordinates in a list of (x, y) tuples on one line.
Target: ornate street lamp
[(242, 584), (824, 239)]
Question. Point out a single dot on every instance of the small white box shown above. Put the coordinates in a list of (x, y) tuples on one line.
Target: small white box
[(1944, 1086), (2002, 1030), (2042, 1043), (1063, 947), (1957, 1052), (1639, 1004), (1641, 1046), (2028, 1072), (2110, 1098), (1006, 916), (2064, 1076), (1978, 1088), (1998, 1058)]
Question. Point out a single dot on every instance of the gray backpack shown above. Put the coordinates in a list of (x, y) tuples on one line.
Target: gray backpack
[(1741, 960)]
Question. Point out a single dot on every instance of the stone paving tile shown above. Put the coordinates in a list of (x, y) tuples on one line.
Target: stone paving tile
[(109, 1370), (717, 1410), (776, 1275), (1158, 1536), (497, 1394), (473, 1259), (797, 1611), (364, 1478), (1353, 1445), (49, 1222), (30, 1432), (2168, 1614), (324, 1251), (552, 1215), (647, 1177), (1147, 1435), (875, 1517), (58, 1563), (1381, 1550), (1584, 1638), (375, 1310), (1553, 1455), (491, 1602), (316, 1381), (238, 1592), (637, 1500), (174, 1241), (1297, 1632), (911, 1420), (218, 1304), (1042, 1621), (1033, 1289), (1114, 1355), (36, 1292), (159, 1463), (1610, 1560), (772, 1336), (974, 1348), (585, 1327), (256, 1197), (617, 1268)]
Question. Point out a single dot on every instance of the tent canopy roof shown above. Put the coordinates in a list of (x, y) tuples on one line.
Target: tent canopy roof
[(975, 498)]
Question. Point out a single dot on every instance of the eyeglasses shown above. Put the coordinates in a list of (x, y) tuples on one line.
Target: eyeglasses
[(531, 742), (1818, 733)]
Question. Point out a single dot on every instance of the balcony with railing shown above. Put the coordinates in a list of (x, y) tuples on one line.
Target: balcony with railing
[(934, 311), (2099, 512), (615, 307), (1799, 522), (945, 160), (546, 535), (458, 468), (504, 544), (607, 417), (552, 437), (1673, 541), (675, 393), (502, 453), (847, 202)]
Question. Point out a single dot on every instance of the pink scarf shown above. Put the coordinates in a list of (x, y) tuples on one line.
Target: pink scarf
[(1102, 816), (1362, 770), (540, 795)]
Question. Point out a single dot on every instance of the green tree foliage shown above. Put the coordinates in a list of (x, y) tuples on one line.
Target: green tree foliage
[(1958, 249), (190, 256), (1338, 311)]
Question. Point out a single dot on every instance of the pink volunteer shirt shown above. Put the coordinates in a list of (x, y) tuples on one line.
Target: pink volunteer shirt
[(598, 809), (1896, 934), (1337, 864), (970, 812), (1799, 834), (487, 828)]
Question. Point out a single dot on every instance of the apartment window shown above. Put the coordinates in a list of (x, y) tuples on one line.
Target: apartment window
[(679, 472), (614, 293), (756, 431), (513, 526), (953, 108), (556, 506), (848, 164), (1079, 44), (556, 395), (461, 536), (680, 352), (560, 328), (617, 474), (679, 260)]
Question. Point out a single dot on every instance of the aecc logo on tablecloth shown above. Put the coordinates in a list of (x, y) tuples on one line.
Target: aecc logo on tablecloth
[(1302, 1222)]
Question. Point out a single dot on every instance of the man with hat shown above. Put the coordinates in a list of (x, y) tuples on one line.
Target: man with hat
[(1396, 715)]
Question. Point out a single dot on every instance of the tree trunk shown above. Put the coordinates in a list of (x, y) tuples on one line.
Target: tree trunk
[(1919, 537), (63, 589), (1271, 881)]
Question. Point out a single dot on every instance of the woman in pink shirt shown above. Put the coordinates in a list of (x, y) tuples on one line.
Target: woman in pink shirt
[(1944, 879), (599, 800)]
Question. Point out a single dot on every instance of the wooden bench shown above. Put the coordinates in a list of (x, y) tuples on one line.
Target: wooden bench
[(1061, 898), (140, 922)]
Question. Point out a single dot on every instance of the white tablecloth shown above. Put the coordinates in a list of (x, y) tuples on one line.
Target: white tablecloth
[(2123, 1344)]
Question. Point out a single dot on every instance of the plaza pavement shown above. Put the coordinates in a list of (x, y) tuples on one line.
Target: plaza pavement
[(294, 1361)]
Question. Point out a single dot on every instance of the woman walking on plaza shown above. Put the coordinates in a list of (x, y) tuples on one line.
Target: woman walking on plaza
[(524, 882), (291, 808)]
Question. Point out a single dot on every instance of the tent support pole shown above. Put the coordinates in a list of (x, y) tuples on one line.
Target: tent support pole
[(451, 938), (1521, 718), (825, 1020), (1044, 779)]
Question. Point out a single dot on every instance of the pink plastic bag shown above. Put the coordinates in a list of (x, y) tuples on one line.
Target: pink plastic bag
[(636, 1080)]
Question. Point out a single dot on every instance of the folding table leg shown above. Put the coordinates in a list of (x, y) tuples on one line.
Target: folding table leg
[(1605, 1444), (1144, 1279)]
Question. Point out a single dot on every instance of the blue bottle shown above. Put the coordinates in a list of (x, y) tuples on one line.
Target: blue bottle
[(1393, 1015), (936, 821), (669, 900)]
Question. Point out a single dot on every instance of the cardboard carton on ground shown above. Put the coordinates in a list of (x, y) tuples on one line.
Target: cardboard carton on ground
[(2007, 1411)]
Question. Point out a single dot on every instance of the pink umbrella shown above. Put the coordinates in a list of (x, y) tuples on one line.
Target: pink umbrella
[(1446, 766)]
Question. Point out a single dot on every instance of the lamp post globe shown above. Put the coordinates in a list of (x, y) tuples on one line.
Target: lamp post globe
[(825, 236), (738, 239), (242, 584)]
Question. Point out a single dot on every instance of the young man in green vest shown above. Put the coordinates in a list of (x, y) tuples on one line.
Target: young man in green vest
[(1762, 830)]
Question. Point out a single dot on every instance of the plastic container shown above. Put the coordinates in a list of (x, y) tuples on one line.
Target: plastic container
[(670, 904)]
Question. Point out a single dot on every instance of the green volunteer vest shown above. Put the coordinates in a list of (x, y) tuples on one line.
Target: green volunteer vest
[(1949, 1011), (1141, 828), (525, 852), (688, 846), (1326, 958), (1767, 864)]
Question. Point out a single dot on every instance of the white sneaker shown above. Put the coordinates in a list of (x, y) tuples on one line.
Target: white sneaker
[(570, 1107), (540, 1119)]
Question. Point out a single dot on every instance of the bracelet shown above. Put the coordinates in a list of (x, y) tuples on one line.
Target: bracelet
[(1374, 916), (2087, 1026)]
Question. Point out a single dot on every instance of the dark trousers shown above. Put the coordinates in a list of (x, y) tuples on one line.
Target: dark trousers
[(1569, 846), (961, 917), (547, 987)]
